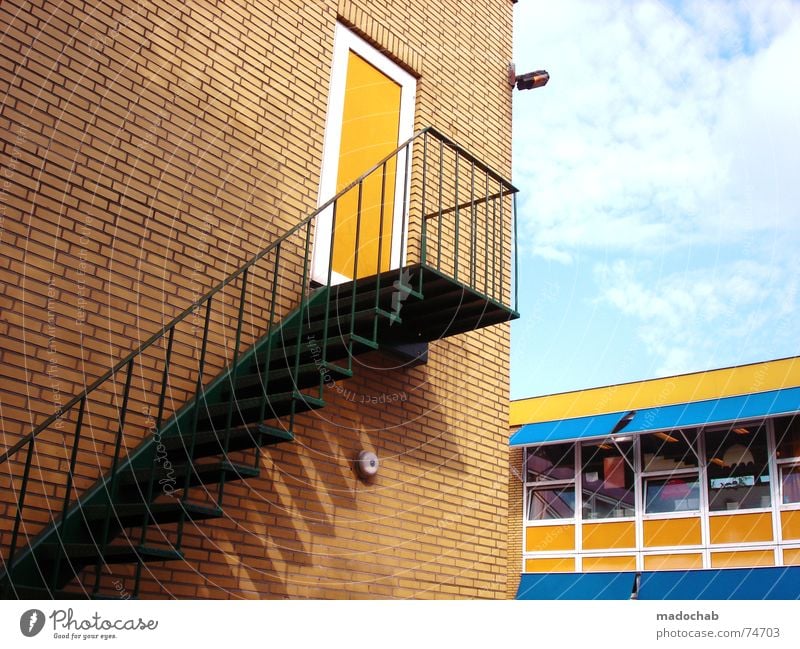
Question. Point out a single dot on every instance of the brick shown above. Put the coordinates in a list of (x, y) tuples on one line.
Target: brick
[(241, 92)]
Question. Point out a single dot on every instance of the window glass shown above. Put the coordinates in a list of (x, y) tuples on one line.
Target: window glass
[(550, 503), (607, 480), (668, 451), (674, 494), (738, 472), (552, 462), (790, 477), (787, 437)]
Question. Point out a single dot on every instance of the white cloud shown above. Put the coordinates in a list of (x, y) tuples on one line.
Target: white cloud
[(694, 319), (660, 127), (664, 153)]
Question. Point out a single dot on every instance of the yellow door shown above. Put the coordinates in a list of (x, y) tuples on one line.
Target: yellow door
[(370, 132)]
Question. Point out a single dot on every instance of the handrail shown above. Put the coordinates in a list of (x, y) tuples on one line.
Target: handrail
[(458, 237), (202, 300), (233, 276), (469, 156)]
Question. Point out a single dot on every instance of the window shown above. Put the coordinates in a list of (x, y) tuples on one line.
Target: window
[(787, 438), (670, 473), (674, 494), (550, 475), (669, 452), (607, 480), (553, 462), (547, 504), (790, 484), (738, 472)]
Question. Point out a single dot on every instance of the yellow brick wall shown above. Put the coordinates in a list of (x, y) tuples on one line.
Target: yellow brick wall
[(515, 514), (149, 149)]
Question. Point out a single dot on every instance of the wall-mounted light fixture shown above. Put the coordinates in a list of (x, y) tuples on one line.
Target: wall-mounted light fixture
[(367, 465), (531, 80)]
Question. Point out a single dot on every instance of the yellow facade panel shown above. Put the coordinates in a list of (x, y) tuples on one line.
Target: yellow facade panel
[(608, 536), (563, 564), (550, 538), (673, 561), (791, 557), (745, 379), (741, 528), (672, 532), (790, 524), (609, 564), (743, 559)]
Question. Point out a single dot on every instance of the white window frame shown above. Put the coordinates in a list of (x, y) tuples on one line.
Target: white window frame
[(547, 484), (705, 548), (770, 466), (345, 41), (615, 519)]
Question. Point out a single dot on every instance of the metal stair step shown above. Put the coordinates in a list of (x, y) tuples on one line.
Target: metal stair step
[(248, 411), (211, 442), (447, 323), (360, 323), (453, 300), (39, 592), (408, 276), (136, 482), (285, 378), (337, 348), (132, 514), (341, 301), (80, 554)]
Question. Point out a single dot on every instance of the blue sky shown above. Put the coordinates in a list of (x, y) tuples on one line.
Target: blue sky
[(659, 218)]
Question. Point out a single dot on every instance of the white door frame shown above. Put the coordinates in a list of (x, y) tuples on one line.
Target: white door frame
[(344, 42)]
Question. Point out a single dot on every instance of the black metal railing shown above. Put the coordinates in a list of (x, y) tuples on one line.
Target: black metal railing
[(455, 214)]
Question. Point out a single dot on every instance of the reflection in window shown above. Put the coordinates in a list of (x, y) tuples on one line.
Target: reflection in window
[(738, 473), (548, 504), (551, 472), (674, 494), (663, 452), (790, 481), (607, 480), (552, 462), (787, 437)]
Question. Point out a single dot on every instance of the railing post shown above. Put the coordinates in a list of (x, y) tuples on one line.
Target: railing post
[(232, 375), (456, 241), (424, 208), (302, 314), (380, 250), (70, 477), (516, 258), (271, 344), (199, 390), (494, 245), (502, 245), (151, 478), (404, 211), (113, 488), (487, 258), (473, 228), (355, 260), (439, 223), (329, 288), (20, 506)]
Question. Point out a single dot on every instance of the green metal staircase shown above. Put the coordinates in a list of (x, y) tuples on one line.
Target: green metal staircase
[(115, 476)]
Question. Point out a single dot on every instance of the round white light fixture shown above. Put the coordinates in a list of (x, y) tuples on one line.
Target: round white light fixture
[(367, 464)]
